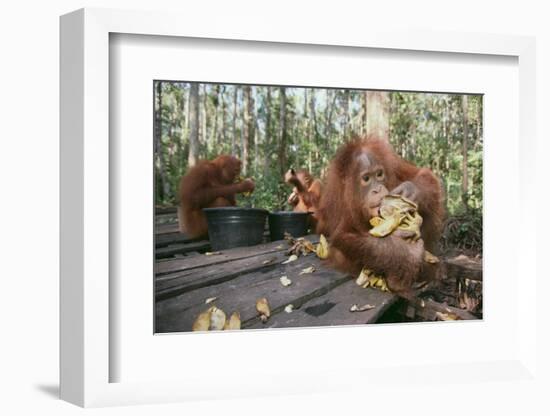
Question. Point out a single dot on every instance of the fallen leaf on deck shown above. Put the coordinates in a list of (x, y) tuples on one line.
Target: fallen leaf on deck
[(202, 323), (447, 316), (234, 322), (208, 300), (267, 261), (217, 318), (212, 253), (285, 281), (322, 248), (308, 270), (280, 247), (289, 308), (355, 308), (300, 246), (305, 245), (262, 306), (294, 257)]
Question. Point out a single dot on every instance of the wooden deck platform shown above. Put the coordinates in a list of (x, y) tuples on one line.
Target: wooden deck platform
[(240, 276), (186, 276)]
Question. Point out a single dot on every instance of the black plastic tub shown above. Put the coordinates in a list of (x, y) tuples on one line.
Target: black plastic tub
[(230, 227), (294, 223)]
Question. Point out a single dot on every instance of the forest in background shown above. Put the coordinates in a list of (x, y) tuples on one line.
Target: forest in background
[(273, 128)]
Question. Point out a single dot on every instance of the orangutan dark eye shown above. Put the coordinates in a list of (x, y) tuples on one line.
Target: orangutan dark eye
[(380, 174), (366, 178)]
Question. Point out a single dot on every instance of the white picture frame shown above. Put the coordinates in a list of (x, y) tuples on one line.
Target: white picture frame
[(85, 219)]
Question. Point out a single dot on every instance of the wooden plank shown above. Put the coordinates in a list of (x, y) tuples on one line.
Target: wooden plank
[(225, 256), (170, 251), (166, 219), (214, 288), (178, 314), (426, 310), (173, 227), (163, 240), (333, 308), (166, 228), (173, 284), (462, 267), (159, 210)]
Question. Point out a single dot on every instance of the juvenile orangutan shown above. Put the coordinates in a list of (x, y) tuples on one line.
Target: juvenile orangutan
[(209, 184), (361, 174)]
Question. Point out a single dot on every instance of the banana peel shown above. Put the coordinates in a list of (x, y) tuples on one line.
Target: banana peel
[(367, 278), (384, 227), (399, 213), (241, 178), (396, 212), (322, 248)]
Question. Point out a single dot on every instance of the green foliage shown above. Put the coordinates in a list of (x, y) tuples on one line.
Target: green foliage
[(264, 195), (427, 129), (464, 231)]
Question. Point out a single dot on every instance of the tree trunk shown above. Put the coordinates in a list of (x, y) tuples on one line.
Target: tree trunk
[(307, 129), (378, 114), (364, 114), (214, 130), (282, 132), (244, 131), (465, 130), (248, 113), (222, 126), (170, 144), (234, 129), (187, 116), (204, 125), (345, 132), (330, 111), (267, 138), (183, 136), (165, 187), (257, 139), (313, 123), (193, 125), (257, 132), (479, 114)]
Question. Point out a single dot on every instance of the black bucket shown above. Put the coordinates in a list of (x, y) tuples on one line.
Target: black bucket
[(294, 223), (230, 227)]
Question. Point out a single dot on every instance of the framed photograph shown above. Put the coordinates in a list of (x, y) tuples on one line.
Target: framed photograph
[(263, 206)]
